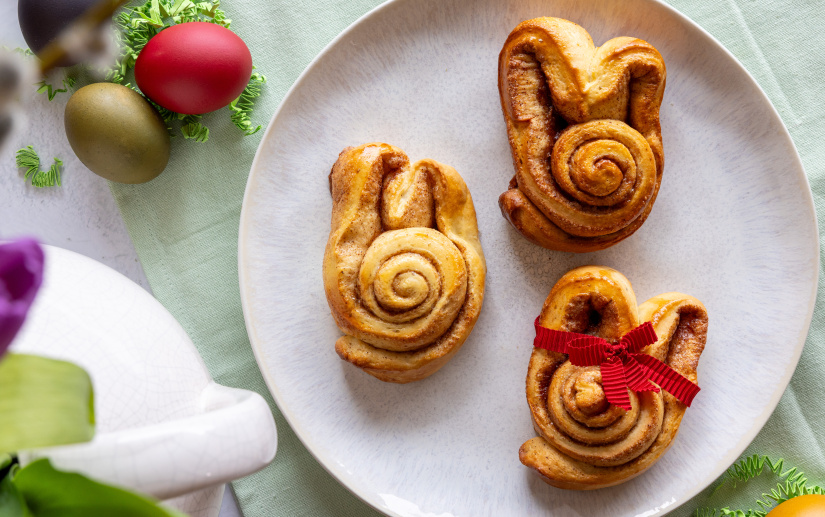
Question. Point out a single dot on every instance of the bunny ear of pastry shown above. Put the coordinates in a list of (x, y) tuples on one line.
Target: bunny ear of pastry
[(594, 300), (585, 443), (595, 113), (681, 322), (403, 269)]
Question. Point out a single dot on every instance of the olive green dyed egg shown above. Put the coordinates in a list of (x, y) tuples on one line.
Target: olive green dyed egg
[(116, 133)]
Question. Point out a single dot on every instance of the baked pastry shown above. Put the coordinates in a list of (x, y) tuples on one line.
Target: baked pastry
[(583, 125), (584, 441), (403, 268)]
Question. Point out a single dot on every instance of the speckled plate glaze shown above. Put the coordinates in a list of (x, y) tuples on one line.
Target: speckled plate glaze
[(734, 225)]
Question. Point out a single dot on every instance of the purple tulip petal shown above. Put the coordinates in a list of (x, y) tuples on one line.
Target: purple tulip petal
[(21, 273)]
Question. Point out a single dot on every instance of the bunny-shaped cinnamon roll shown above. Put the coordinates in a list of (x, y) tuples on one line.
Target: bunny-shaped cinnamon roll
[(583, 125), (403, 268), (585, 441)]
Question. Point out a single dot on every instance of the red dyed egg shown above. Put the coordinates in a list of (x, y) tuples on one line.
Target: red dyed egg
[(193, 67)]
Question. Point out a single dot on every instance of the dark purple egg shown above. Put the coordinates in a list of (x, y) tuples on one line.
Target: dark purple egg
[(42, 20)]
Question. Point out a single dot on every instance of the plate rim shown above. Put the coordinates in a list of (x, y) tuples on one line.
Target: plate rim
[(333, 470)]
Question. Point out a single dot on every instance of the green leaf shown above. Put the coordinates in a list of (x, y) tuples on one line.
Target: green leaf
[(7, 463), (43, 402), (11, 501), (52, 493)]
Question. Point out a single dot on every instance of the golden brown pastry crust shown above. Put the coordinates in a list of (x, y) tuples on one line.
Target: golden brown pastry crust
[(584, 442), (403, 268), (588, 185)]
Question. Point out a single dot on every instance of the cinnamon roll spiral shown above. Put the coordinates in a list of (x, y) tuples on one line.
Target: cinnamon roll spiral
[(403, 268), (583, 125), (585, 442)]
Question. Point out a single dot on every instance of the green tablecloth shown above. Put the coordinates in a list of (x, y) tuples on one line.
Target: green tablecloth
[(184, 224)]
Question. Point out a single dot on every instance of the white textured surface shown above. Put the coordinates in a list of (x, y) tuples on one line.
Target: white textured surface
[(733, 225), (162, 426)]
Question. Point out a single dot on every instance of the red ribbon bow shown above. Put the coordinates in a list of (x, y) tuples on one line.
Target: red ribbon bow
[(622, 365)]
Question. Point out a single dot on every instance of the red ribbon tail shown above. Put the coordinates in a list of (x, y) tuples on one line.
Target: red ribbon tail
[(614, 383), (669, 379), (637, 375)]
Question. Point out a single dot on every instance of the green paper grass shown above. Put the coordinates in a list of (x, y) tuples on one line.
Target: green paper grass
[(792, 483), (45, 86), (241, 107), (51, 91), (28, 159), (192, 129)]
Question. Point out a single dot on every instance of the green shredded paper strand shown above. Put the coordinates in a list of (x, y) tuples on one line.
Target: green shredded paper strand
[(28, 159), (51, 91), (792, 483), (242, 106)]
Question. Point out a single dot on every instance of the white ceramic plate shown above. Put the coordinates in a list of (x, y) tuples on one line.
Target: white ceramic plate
[(733, 225)]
